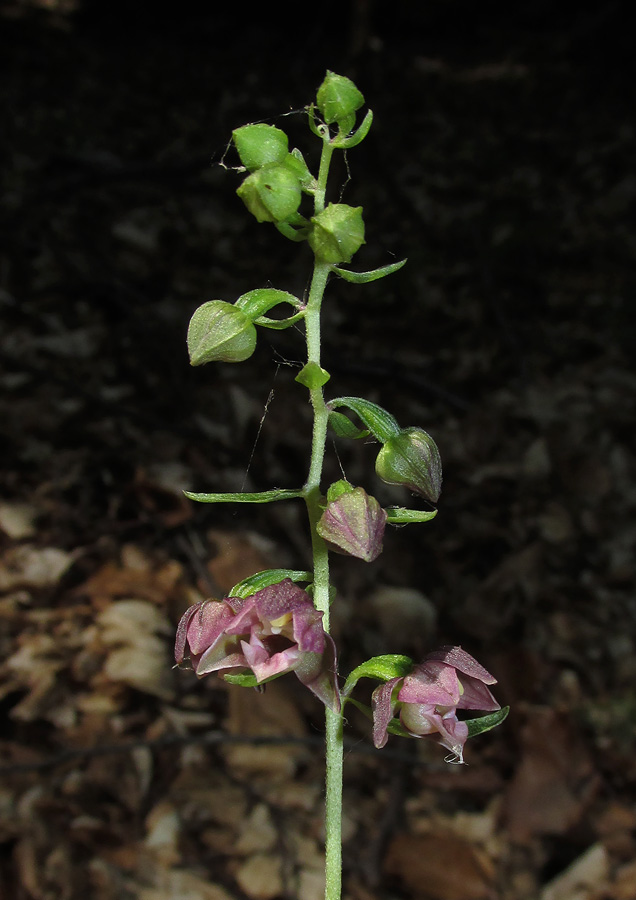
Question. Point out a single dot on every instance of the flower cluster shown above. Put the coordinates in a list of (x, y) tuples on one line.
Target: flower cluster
[(272, 632), (426, 701)]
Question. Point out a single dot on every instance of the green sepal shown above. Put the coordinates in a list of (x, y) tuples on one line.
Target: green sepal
[(382, 668), (398, 515), (486, 723), (295, 161), (337, 232), (242, 680), (367, 277), (337, 489), (312, 376), (260, 145), (380, 423), (342, 142), (256, 303), (245, 497), (343, 427), (267, 577), (271, 193)]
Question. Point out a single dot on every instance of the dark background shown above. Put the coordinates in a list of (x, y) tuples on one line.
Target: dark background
[(500, 163)]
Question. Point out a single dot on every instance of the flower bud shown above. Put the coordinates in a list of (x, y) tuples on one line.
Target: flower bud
[(220, 332), (338, 99), (337, 233), (411, 458), (272, 193), (353, 523), (260, 145)]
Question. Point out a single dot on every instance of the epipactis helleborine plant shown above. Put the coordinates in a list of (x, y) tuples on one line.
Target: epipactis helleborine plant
[(269, 625)]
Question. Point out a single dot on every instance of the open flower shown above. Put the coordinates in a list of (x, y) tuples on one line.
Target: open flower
[(427, 700), (272, 632)]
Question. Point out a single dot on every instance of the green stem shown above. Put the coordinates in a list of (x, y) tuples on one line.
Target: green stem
[(312, 494)]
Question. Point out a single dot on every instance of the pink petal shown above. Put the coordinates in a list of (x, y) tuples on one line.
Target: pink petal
[(431, 683), (463, 662), (201, 626), (277, 600), (476, 695), (383, 705), (307, 629), (319, 673)]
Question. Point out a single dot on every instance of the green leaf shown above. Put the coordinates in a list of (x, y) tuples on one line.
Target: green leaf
[(398, 515), (318, 128), (264, 579), (256, 303), (312, 376), (486, 723), (344, 427), (379, 422), (346, 143), (291, 232), (245, 497), (382, 668), (279, 324), (242, 680), (366, 277)]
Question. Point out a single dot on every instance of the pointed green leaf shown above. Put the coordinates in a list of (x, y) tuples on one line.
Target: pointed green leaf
[(383, 668), (318, 128), (398, 515), (379, 422), (291, 232), (346, 143), (366, 277), (256, 303), (244, 497), (264, 579), (312, 376), (279, 324), (486, 723), (344, 427)]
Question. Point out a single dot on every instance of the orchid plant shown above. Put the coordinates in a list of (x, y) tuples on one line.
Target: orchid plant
[(277, 621)]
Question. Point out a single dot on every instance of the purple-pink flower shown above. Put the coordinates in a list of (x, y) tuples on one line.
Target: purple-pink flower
[(274, 631), (427, 700)]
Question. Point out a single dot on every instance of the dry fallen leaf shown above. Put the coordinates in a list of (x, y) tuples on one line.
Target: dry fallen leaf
[(440, 867)]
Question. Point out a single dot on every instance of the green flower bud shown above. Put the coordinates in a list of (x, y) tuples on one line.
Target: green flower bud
[(337, 233), (272, 193), (338, 99), (411, 458), (260, 145), (220, 332)]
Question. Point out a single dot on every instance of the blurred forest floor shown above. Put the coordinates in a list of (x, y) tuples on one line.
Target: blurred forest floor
[(501, 163)]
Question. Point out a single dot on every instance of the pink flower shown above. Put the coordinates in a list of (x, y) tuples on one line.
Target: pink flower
[(275, 631), (427, 700)]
